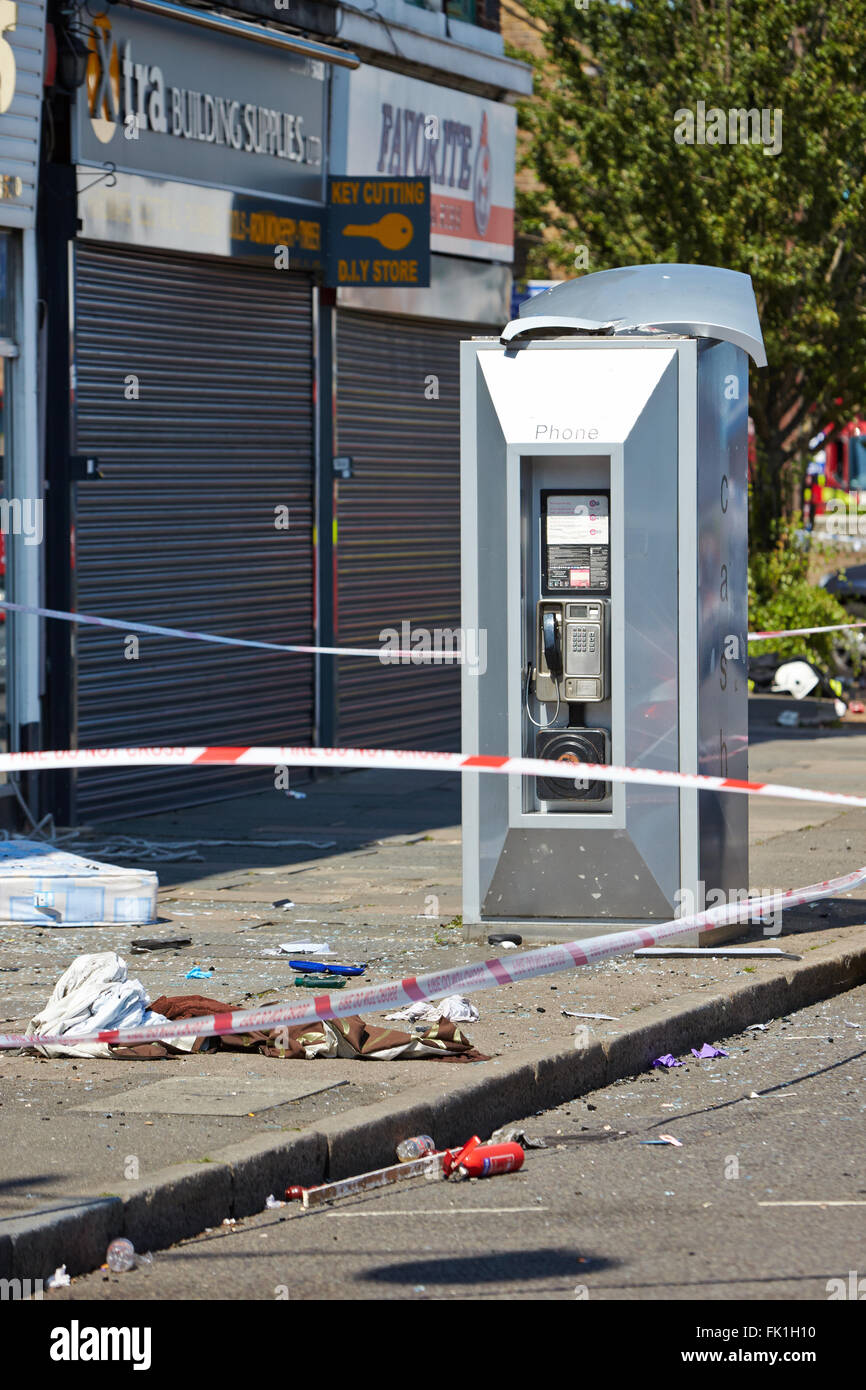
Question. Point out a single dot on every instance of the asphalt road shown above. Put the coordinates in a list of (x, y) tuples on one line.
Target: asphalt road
[(765, 1200)]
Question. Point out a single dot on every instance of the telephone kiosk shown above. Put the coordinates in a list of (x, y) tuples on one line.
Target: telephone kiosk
[(604, 533)]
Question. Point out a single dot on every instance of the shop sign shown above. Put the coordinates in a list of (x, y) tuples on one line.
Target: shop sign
[(398, 127), (171, 99), (378, 232)]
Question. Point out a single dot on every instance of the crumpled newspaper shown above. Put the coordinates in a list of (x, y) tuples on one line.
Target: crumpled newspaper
[(453, 1007), (513, 1134)]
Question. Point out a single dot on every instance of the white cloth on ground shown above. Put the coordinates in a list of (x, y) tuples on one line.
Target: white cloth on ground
[(453, 1007), (92, 995)]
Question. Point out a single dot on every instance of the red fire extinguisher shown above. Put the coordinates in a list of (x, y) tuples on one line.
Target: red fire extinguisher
[(477, 1160)]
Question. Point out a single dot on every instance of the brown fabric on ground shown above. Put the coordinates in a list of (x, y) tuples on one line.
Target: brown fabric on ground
[(337, 1037)]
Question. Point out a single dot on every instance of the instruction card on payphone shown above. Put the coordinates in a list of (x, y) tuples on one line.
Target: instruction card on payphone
[(577, 541)]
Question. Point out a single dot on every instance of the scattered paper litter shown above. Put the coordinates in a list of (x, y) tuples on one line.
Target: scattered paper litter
[(757, 1027), (608, 1018), (271, 1204), (293, 948), (59, 1279), (453, 1007)]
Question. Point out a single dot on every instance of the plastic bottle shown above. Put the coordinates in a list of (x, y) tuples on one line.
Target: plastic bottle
[(486, 1160), (120, 1256), (416, 1147)]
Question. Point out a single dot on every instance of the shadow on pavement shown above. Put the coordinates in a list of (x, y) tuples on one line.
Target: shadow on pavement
[(487, 1269)]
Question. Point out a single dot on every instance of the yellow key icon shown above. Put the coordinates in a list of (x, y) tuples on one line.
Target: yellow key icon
[(393, 231)]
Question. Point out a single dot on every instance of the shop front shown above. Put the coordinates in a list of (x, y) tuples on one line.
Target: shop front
[(200, 162), (397, 397)]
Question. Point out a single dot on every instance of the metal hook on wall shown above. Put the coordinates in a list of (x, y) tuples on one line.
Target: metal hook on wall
[(110, 177)]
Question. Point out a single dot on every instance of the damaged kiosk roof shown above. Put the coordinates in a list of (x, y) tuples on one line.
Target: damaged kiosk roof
[(703, 301)]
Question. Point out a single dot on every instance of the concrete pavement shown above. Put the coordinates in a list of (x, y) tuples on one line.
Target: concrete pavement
[(764, 1200), (380, 881)]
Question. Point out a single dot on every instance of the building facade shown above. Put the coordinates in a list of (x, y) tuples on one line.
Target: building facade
[(203, 380), (22, 43)]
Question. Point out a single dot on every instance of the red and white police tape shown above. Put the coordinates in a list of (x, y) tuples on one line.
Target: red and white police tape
[(546, 960), (404, 758)]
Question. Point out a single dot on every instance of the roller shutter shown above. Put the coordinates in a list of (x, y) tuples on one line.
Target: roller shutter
[(398, 555), (181, 530)]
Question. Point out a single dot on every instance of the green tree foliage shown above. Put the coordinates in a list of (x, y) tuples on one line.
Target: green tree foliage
[(612, 177), (782, 598)]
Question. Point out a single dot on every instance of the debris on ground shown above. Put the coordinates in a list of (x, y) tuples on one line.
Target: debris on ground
[(606, 1018), (120, 1256), (500, 938), (272, 1202), (453, 1007), (198, 974), (708, 1051), (664, 1139), (44, 885), (473, 1160), (416, 1147), (291, 948), (674, 952), (312, 967), (159, 943), (514, 1134), (94, 994), (310, 981), (487, 1161), (667, 1060), (428, 1166), (59, 1279)]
